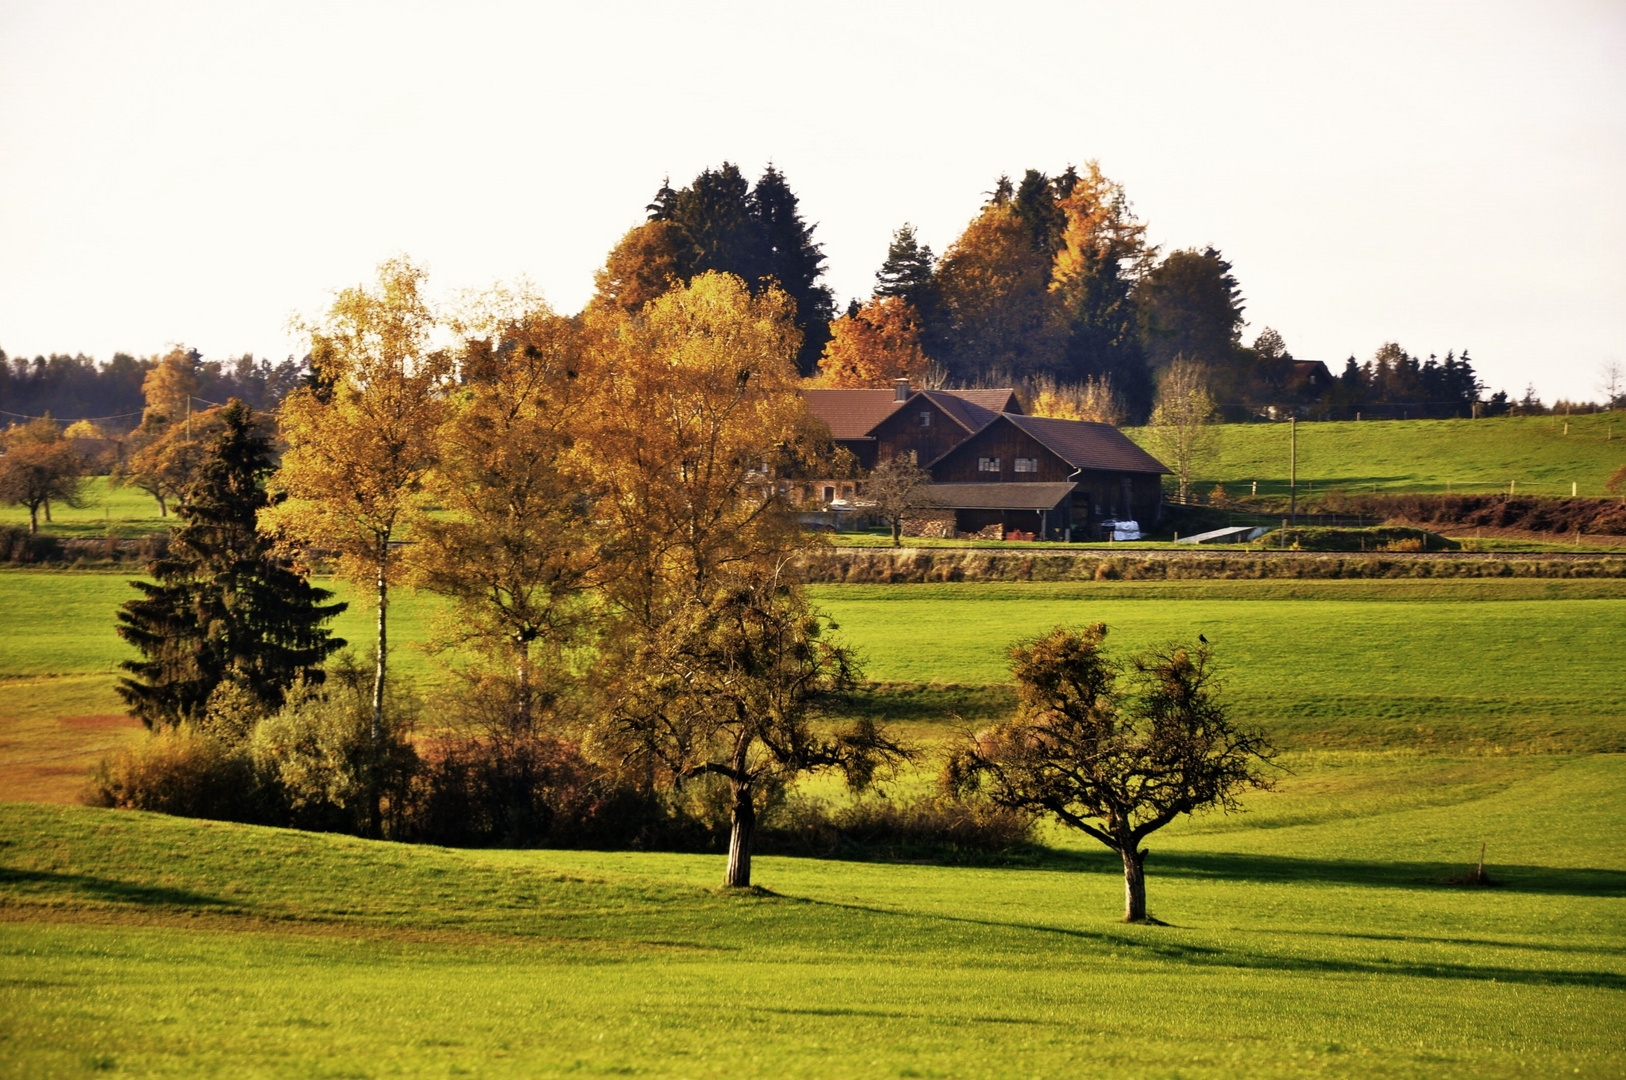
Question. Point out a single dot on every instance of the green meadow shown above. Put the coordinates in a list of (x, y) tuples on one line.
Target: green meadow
[(1540, 455), (1324, 931)]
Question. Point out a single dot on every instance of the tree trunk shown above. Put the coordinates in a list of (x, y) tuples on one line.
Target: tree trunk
[(33, 519), (897, 529), (1134, 884), (522, 674), (375, 795), (739, 839), (47, 510), (163, 508)]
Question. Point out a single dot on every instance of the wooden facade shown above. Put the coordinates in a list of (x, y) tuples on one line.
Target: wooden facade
[(905, 433)]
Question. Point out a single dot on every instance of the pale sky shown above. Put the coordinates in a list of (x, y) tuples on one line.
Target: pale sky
[(1438, 174)]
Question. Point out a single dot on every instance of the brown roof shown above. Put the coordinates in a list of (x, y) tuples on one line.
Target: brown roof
[(1017, 496), (1084, 444), (853, 414)]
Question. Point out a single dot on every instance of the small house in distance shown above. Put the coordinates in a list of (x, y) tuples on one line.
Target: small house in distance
[(994, 468)]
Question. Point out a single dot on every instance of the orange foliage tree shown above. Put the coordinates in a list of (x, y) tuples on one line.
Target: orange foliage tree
[(871, 347)]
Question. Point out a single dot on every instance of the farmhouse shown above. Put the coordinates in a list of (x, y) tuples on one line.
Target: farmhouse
[(991, 465)]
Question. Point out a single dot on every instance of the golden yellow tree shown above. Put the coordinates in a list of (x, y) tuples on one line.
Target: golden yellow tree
[(643, 265), (875, 345), (995, 289), (170, 386), (715, 657), (516, 546), (362, 441)]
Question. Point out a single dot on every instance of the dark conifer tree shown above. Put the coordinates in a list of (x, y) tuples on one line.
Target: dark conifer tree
[(758, 235), (224, 606)]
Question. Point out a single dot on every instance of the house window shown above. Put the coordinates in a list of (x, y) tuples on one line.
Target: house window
[(988, 464), (1027, 464), (925, 419), (829, 493), (914, 457)]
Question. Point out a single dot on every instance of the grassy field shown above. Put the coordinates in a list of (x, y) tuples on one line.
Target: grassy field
[(1422, 455), (1315, 937), (1316, 934)]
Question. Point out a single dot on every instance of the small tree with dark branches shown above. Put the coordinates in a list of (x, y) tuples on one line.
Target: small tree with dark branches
[(728, 689), (894, 488), (1115, 764)]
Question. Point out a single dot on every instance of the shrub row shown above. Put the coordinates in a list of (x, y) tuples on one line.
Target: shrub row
[(19, 547), (912, 565)]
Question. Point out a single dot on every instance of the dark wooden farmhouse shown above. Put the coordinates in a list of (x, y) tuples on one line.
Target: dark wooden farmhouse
[(991, 465)]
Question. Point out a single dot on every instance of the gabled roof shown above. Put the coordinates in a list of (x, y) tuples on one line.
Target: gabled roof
[(1007, 496), (1084, 444), (853, 414), (968, 414)]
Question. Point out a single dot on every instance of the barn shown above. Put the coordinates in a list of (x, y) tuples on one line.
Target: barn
[(991, 465)]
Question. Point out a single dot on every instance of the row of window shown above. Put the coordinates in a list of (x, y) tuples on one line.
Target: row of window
[(1023, 464)]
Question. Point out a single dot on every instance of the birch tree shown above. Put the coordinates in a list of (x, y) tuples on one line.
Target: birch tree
[(362, 440)]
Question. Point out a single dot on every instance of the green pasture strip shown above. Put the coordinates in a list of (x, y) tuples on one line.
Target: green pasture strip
[(1326, 945), (1518, 673), (123, 511), (1471, 456), (63, 622)]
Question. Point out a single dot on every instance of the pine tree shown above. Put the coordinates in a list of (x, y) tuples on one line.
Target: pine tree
[(908, 271), (224, 607)]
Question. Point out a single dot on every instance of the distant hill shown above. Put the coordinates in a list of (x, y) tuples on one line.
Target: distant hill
[(1392, 456)]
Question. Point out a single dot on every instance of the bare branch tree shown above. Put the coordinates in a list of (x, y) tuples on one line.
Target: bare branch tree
[(894, 488), (1182, 426)]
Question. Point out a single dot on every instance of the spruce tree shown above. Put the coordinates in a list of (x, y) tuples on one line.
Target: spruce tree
[(223, 606)]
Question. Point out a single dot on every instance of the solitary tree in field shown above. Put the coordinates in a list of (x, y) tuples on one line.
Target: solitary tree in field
[(40, 467), (223, 607), (894, 488), (728, 687), (1116, 764), (1182, 426), (361, 441)]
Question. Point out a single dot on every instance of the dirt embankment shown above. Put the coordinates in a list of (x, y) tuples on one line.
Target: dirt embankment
[(1551, 517), (905, 565)]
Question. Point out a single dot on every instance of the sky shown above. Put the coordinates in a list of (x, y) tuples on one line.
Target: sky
[(1442, 175)]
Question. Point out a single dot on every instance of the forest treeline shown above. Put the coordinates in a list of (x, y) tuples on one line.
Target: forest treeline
[(1052, 287)]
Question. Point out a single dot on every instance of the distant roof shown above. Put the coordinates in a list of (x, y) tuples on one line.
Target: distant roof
[(1084, 444), (1010, 496), (853, 414)]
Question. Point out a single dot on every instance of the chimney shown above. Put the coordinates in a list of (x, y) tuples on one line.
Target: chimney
[(900, 389)]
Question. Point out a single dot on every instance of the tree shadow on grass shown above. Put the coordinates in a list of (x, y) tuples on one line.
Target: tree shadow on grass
[(1543, 880), (1156, 944), (52, 885)]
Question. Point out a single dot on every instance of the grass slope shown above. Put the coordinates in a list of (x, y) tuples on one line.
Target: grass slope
[(1316, 938), (1421, 455)]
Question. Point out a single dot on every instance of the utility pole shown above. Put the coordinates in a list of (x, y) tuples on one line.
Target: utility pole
[(1293, 467)]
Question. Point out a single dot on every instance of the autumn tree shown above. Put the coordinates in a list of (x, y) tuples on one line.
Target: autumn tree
[(729, 686), (874, 345), (362, 439), (163, 457), (1101, 253), (170, 385), (894, 489), (1117, 763), (1182, 426), (698, 394), (998, 312), (223, 607), (646, 262), (38, 467), (516, 545)]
